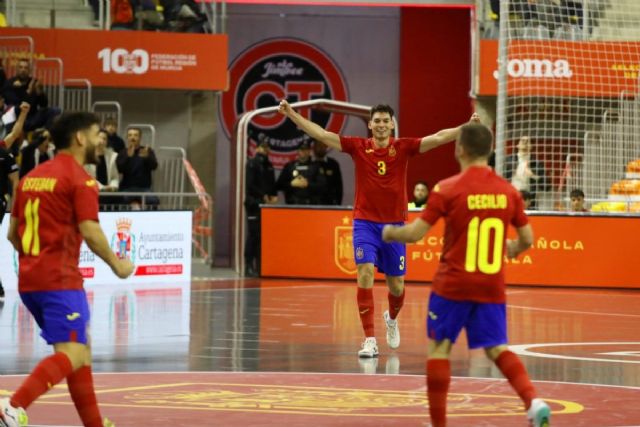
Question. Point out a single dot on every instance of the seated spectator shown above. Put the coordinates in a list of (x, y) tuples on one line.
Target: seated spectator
[(529, 200), (105, 171), (329, 191), (122, 15), (577, 200), (420, 195), (525, 171), (136, 163), (114, 141), (36, 152), (24, 88)]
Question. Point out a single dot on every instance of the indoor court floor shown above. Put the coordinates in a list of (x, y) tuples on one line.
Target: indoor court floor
[(265, 352)]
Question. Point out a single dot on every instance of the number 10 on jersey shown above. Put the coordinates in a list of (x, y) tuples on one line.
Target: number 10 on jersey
[(479, 242)]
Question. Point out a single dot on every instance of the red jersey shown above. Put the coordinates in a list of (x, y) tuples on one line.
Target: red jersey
[(477, 206), (50, 202), (381, 177)]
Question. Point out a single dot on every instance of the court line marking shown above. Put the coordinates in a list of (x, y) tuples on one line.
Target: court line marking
[(554, 310), (523, 350), (254, 373)]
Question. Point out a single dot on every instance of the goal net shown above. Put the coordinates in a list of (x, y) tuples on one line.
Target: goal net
[(568, 110)]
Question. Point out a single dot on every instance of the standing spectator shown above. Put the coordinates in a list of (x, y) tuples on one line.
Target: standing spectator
[(36, 152), (260, 188), (577, 200), (24, 88), (381, 198), (468, 289), (114, 141), (55, 209), (299, 179), (329, 192), (105, 170), (136, 164), (15, 134), (525, 171), (420, 195)]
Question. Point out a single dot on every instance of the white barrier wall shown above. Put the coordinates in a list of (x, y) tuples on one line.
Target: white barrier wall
[(158, 243)]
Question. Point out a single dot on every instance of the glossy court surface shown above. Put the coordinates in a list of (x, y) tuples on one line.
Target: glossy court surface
[(282, 352)]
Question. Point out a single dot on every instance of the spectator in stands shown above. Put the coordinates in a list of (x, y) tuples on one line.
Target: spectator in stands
[(122, 15), (24, 88), (105, 170), (329, 191), (38, 151), (577, 200), (420, 195), (184, 16), (260, 189), (525, 171), (529, 200), (115, 142), (300, 178), (136, 163)]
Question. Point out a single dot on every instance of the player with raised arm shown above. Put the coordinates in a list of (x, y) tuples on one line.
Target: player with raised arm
[(468, 287), (381, 198), (55, 208)]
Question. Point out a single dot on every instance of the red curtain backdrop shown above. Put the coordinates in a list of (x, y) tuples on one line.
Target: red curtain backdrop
[(435, 70)]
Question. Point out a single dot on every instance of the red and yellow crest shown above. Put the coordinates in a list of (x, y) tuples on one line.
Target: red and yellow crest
[(343, 249)]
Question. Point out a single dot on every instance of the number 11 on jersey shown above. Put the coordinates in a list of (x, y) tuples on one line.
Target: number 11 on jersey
[(478, 245)]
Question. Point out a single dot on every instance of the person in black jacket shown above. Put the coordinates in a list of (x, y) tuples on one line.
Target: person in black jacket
[(136, 164), (525, 171), (260, 189), (329, 191), (300, 179), (36, 152)]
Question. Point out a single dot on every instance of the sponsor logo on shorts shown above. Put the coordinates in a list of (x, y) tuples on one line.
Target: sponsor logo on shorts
[(359, 253), (73, 316)]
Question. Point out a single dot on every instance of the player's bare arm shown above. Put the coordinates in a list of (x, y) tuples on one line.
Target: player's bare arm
[(313, 130), (409, 233), (12, 234), (16, 131), (522, 243), (97, 242), (443, 136)]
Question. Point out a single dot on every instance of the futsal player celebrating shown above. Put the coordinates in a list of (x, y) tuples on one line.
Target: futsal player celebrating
[(56, 206), (468, 287), (381, 198)]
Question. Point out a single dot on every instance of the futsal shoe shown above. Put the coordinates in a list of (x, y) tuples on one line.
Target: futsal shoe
[(10, 416), (393, 332), (107, 423), (369, 348), (539, 414)]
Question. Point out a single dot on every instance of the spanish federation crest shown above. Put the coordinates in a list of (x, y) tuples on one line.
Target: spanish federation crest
[(392, 151), (343, 249)]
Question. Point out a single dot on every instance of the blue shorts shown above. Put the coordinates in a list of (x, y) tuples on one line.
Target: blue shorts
[(486, 324), (368, 247), (63, 316)]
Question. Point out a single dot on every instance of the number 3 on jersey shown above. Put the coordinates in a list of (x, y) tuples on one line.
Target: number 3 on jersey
[(478, 242), (382, 168), (31, 237)]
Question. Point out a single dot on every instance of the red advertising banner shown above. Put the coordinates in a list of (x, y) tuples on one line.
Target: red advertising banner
[(135, 59), (568, 250), (562, 68)]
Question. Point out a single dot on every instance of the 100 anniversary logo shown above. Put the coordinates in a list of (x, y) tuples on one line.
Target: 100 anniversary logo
[(277, 69)]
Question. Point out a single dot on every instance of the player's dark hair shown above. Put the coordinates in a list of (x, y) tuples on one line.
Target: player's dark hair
[(476, 139), (381, 108), (576, 193), (65, 127)]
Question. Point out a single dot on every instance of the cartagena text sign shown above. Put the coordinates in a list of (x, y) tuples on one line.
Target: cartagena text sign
[(134, 59), (568, 250)]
